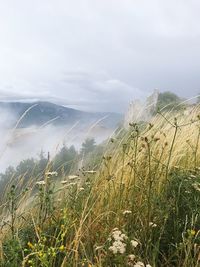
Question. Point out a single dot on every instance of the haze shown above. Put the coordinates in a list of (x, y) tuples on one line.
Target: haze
[(98, 55)]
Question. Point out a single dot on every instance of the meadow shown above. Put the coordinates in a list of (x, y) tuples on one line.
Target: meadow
[(136, 202)]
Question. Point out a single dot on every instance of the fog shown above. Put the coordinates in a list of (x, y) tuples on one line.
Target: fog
[(17, 144)]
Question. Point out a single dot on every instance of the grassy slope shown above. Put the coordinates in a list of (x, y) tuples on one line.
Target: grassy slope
[(147, 186)]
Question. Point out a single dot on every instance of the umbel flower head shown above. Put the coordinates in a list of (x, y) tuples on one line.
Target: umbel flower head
[(134, 243), (40, 183), (64, 182), (73, 177), (153, 225), (51, 174), (119, 245), (126, 212)]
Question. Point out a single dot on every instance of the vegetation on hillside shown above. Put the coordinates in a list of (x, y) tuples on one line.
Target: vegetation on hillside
[(137, 205), (168, 100)]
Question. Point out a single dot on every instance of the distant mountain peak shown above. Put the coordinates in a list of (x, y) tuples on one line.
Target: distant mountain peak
[(42, 112)]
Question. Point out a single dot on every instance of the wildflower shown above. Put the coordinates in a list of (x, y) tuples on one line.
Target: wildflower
[(40, 183), (131, 257), (192, 232), (126, 212), (118, 235), (51, 173), (118, 247), (81, 189), (148, 265), (113, 249), (134, 243), (30, 245), (196, 186), (152, 224), (139, 264), (72, 177), (187, 192), (64, 182), (62, 248)]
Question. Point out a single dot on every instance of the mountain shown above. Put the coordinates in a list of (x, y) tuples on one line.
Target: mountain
[(40, 113)]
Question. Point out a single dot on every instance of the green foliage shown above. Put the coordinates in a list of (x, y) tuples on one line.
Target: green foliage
[(12, 253), (168, 100), (66, 159), (182, 200), (88, 146), (29, 169)]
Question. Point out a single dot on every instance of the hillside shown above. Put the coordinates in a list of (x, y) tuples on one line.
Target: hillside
[(43, 112), (134, 202)]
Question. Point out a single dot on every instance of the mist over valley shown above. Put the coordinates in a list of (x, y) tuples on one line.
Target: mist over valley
[(26, 129)]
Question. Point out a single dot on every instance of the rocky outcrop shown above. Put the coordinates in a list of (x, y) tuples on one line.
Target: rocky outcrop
[(138, 111)]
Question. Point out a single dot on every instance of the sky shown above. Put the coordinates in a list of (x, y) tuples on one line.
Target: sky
[(98, 54)]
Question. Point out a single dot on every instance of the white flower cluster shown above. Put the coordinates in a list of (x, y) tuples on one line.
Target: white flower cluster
[(127, 212), (51, 173), (64, 182), (153, 225), (192, 176), (119, 245), (40, 183), (81, 189), (73, 177), (134, 243), (131, 257), (196, 186)]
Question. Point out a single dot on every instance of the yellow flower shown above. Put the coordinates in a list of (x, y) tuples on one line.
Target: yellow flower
[(30, 245), (193, 232), (63, 235), (62, 248)]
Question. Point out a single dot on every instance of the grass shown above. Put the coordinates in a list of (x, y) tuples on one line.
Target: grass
[(140, 207)]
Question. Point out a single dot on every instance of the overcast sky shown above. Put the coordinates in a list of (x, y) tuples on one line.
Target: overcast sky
[(98, 54)]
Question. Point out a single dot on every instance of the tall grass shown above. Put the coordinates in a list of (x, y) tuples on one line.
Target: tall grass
[(139, 207)]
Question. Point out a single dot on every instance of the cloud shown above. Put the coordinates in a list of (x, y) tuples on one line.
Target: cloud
[(98, 91), (95, 52)]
